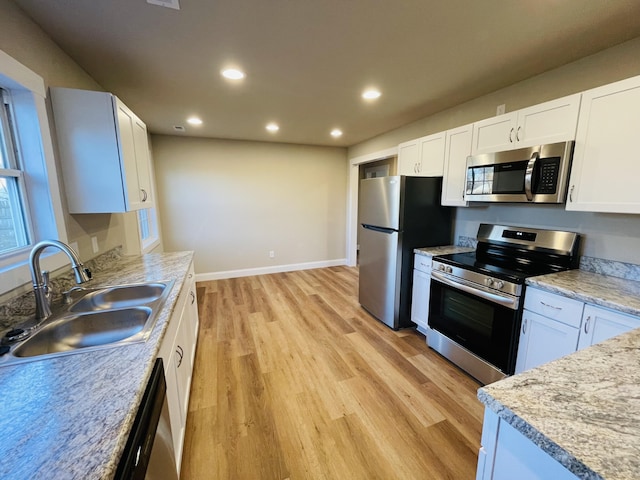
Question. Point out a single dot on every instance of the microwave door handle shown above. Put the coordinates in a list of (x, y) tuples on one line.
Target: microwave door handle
[(528, 176)]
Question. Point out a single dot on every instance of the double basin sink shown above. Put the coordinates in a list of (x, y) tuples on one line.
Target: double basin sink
[(94, 319)]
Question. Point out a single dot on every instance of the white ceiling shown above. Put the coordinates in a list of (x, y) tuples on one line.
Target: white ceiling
[(307, 61)]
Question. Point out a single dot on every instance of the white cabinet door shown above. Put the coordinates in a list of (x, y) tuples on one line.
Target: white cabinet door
[(431, 160), (143, 163), (510, 455), (542, 340), (408, 158), (457, 149), (600, 324), (420, 299), (549, 122), (494, 134), (605, 171)]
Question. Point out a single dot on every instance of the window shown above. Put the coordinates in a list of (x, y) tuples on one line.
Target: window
[(14, 225), (30, 203), (148, 227)]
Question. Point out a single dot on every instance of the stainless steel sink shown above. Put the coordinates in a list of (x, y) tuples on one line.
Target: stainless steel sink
[(97, 318), (121, 296), (85, 330)]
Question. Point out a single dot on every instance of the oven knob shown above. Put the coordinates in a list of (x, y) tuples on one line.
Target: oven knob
[(488, 281), (441, 267), (449, 270), (499, 284)]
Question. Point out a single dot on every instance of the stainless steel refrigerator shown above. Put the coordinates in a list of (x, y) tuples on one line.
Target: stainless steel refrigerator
[(396, 215)]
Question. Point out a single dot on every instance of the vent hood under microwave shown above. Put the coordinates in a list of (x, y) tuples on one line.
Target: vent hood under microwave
[(527, 175)]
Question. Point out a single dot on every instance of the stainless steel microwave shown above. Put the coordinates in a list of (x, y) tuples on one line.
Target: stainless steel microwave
[(527, 175)]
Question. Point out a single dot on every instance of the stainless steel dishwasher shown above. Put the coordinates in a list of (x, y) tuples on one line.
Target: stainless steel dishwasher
[(149, 452)]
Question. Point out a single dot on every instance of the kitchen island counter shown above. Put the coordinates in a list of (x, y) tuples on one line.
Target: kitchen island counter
[(69, 417), (583, 410)]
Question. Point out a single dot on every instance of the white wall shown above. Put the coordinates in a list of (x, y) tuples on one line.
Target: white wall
[(609, 236), (233, 201)]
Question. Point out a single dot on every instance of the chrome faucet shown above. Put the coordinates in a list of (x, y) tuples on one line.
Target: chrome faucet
[(40, 279)]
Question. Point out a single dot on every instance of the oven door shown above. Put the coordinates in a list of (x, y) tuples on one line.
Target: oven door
[(485, 323)]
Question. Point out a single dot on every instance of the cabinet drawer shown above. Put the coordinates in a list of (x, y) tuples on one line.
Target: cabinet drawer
[(557, 307), (422, 263)]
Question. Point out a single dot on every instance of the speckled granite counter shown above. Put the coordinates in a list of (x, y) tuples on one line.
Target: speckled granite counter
[(582, 409), (444, 250), (611, 292), (69, 417)]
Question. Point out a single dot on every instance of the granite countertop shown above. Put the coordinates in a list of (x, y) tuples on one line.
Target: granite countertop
[(606, 291), (69, 417), (582, 409), (443, 250)]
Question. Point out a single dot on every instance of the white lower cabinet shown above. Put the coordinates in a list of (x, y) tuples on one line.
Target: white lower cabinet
[(178, 352), (600, 324), (550, 328), (506, 454), (554, 326), (420, 292)]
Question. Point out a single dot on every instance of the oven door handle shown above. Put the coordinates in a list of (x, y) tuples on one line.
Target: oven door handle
[(508, 302)]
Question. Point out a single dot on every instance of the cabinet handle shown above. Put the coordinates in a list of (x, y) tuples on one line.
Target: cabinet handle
[(144, 194), (511, 136), (180, 353), (524, 326), (586, 324), (571, 193), (550, 306), (193, 297), (518, 133)]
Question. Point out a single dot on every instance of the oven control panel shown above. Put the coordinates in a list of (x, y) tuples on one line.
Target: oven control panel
[(453, 273)]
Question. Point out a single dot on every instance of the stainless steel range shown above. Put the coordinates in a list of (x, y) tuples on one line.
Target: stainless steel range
[(476, 301)]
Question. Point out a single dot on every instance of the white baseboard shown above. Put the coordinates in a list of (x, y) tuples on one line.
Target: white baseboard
[(247, 272)]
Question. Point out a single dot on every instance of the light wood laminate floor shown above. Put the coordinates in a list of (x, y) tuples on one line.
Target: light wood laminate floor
[(294, 380)]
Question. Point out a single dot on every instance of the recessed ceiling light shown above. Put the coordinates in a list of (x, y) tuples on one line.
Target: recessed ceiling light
[(336, 132), (194, 121), (371, 94), (272, 127), (233, 74)]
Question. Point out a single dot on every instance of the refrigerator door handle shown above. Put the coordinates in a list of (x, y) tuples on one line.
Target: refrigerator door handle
[(379, 229)]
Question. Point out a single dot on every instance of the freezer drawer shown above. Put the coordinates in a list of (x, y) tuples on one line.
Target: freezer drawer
[(379, 274)]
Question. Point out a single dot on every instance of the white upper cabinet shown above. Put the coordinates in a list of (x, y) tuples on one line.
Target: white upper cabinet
[(457, 149), (548, 122), (422, 157), (606, 169), (104, 152)]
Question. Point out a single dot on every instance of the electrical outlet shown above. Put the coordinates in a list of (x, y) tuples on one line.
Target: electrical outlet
[(94, 244), (501, 109), (272, 254)]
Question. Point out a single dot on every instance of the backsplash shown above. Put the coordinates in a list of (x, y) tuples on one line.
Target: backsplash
[(469, 242), (612, 268), (19, 309)]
